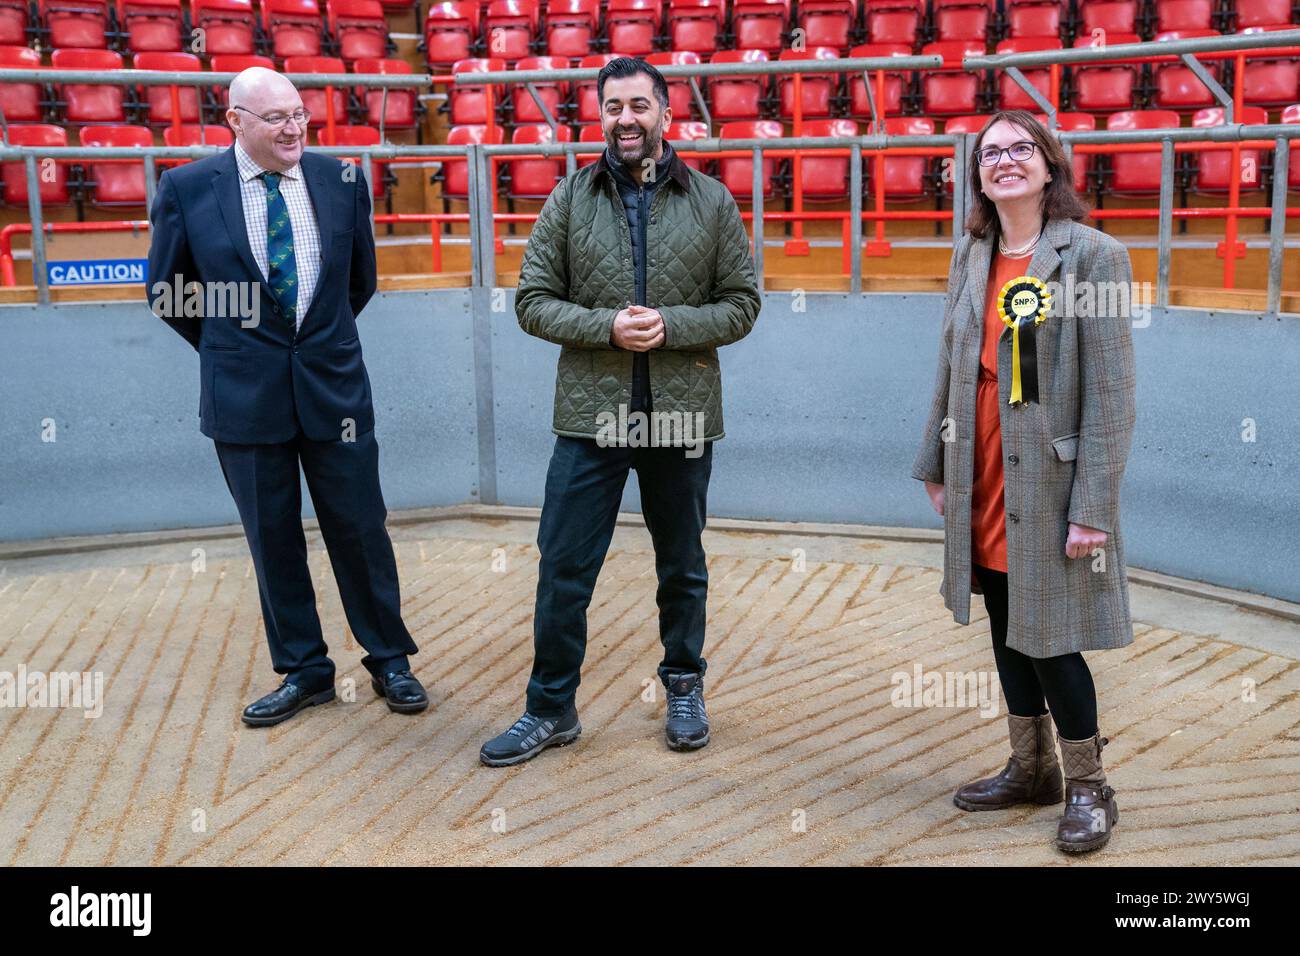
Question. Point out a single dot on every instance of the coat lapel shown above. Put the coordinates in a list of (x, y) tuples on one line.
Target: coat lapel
[(231, 203), (1045, 261)]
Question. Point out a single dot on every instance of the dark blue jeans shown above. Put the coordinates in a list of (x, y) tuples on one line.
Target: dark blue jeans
[(584, 487)]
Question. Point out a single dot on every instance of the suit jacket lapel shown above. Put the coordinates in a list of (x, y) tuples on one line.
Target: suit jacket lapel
[(230, 201), (320, 177)]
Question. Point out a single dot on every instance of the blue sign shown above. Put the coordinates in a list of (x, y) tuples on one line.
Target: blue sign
[(96, 271)]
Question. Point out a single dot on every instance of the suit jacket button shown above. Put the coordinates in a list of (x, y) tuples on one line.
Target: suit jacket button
[(1014, 518), (1013, 459)]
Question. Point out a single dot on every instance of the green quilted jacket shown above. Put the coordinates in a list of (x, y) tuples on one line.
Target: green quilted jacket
[(577, 273)]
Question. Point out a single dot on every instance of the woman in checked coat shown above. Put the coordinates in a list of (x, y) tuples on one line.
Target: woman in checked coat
[(1029, 491)]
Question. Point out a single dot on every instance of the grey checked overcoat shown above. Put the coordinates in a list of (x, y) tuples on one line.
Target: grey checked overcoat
[(1063, 457)]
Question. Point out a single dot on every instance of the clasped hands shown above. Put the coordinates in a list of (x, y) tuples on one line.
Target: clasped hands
[(638, 329)]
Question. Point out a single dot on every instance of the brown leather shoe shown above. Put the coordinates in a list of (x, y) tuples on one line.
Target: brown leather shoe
[(1090, 808), (1032, 775)]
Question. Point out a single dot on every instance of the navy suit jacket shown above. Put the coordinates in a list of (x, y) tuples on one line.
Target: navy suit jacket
[(260, 384)]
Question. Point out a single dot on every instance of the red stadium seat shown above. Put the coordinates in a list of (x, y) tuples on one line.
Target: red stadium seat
[(229, 26), (1112, 17), (82, 102), (357, 136), (159, 98), (570, 27), (760, 24), (585, 90), (208, 134), (1270, 82), (962, 19), (1262, 13), (468, 104), (1035, 18), (399, 111), (680, 97), (821, 176), (896, 83), (359, 28), (1104, 87), (294, 26), (551, 92), (736, 97), (683, 132), (13, 23), (827, 22), (905, 176), (951, 89), (818, 88), (450, 29), (116, 183), (1184, 15), (21, 102), (738, 174), (53, 192), (1011, 96), (235, 63), (590, 134), (509, 28), (535, 178), (631, 26), (1212, 170), (1083, 162), (76, 24), (151, 25), (1177, 87), (455, 181), (317, 100), (1292, 115), (894, 21), (1138, 173), (693, 25)]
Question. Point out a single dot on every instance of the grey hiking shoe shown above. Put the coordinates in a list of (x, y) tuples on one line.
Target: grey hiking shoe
[(529, 736), (688, 722)]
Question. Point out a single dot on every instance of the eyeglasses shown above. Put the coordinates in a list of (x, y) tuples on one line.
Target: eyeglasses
[(992, 155), (279, 120)]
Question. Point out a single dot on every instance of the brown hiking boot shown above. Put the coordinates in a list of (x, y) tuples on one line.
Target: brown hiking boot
[(1090, 808), (1032, 775)]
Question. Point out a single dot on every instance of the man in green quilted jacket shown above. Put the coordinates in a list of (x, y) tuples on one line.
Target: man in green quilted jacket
[(639, 267)]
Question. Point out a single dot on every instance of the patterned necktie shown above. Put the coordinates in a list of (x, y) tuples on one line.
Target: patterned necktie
[(281, 265)]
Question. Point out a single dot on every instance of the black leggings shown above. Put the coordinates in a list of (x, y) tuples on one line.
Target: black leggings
[(1065, 680)]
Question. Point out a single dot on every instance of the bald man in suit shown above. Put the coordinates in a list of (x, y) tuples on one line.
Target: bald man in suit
[(284, 388)]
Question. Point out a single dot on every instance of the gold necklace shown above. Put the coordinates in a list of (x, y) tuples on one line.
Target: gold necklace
[(1023, 250)]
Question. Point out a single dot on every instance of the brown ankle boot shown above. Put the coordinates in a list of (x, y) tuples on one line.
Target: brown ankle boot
[(1032, 775), (1090, 808)]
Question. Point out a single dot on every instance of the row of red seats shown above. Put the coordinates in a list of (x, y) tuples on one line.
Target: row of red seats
[(356, 28), (1268, 81), (114, 184), (905, 177), (95, 103), (513, 29)]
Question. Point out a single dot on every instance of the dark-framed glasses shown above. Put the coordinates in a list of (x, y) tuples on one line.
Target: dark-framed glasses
[(992, 155)]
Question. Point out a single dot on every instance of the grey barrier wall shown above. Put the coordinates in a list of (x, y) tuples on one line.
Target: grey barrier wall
[(824, 407)]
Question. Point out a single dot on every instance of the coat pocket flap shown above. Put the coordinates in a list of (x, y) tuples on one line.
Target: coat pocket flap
[(1067, 447)]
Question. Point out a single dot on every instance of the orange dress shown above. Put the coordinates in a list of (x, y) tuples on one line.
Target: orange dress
[(988, 532)]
